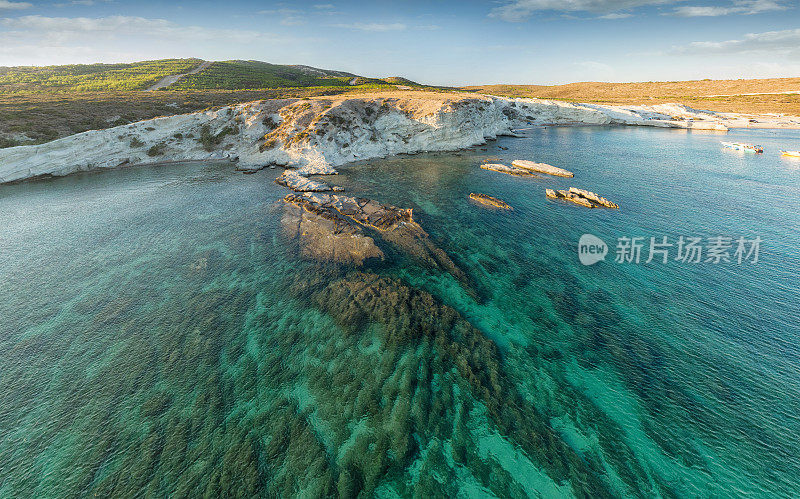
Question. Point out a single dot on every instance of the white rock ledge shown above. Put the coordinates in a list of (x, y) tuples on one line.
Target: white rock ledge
[(315, 135)]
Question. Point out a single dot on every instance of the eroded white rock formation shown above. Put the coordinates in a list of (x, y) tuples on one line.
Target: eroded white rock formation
[(315, 135)]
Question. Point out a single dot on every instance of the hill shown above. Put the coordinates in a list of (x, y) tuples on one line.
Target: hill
[(39, 104), (770, 95), (178, 74), (249, 75), (92, 77)]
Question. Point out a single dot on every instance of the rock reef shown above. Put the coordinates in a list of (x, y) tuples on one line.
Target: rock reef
[(434, 386), (299, 183), (510, 170), (541, 168), (486, 200), (349, 230), (581, 197)]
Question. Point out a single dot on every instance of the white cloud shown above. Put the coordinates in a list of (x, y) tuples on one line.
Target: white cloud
[(616, 15), (289, 17), (385, 27), (292, 21), (785, 42), (280, 12), (6, 5), (375, 27), (324, 6), (63, 29), (519, 10), (737, 7), (698, 11)]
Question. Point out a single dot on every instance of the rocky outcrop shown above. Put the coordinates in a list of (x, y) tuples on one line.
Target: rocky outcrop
[(324, 235), (315, 135), (541, 168), (510, 170), (581, 197), (486, 200), (350, 230), (299, 183)]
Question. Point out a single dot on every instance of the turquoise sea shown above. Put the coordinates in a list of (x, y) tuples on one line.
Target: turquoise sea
[(161, 336)]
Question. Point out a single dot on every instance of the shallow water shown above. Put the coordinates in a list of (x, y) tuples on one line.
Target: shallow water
[(160, 335)]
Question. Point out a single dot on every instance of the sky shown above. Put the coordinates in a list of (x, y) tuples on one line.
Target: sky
[(442, 42)]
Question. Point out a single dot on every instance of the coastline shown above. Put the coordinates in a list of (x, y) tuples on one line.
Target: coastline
[(315, 135)]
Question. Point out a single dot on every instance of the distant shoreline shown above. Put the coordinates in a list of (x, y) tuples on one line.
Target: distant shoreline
[(317, 134)]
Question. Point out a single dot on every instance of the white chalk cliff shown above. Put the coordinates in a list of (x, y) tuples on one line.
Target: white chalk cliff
[(315, 135)]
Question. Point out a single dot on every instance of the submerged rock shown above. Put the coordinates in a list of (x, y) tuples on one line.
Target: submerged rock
[(323, 235), (318, 168), (541, 168), (298, 183), (581, 197), (346, 229), (430, 377), (487, 200), (510, 170)]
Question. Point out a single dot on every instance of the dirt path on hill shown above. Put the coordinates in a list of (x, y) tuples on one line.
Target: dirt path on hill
[(169, 80)]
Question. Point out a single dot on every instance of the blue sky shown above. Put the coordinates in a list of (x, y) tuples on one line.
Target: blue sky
[(434, 41)]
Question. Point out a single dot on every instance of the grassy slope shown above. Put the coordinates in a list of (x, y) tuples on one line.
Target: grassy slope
[(717, 95), (38, 104), (241, 75), (41, 104), (91, 77), (47, 116), (223, 75)]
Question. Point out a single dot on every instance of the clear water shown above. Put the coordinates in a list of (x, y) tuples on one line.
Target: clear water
[(160, 336)]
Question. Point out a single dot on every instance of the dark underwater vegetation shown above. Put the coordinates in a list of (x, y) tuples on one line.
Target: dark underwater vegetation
[(162, 335)]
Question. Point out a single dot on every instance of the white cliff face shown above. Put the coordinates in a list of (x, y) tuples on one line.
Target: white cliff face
[(314, 135)]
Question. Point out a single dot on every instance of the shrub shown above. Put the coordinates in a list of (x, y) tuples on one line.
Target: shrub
[(135, 142), (267, 144), (8, 143), (156, 150), (211, 141), (270, 123)]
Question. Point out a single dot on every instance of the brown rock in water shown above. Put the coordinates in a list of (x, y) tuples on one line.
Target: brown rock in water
[(541, 168), (299, 183), (487, 200), (334, 228), (324, 236), (510, 170), (591, 196), (581, 197)]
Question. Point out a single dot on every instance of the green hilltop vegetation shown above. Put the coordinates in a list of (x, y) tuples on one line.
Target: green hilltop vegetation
[(39, 104), (248, 75), (92, 77), (221, 75)]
